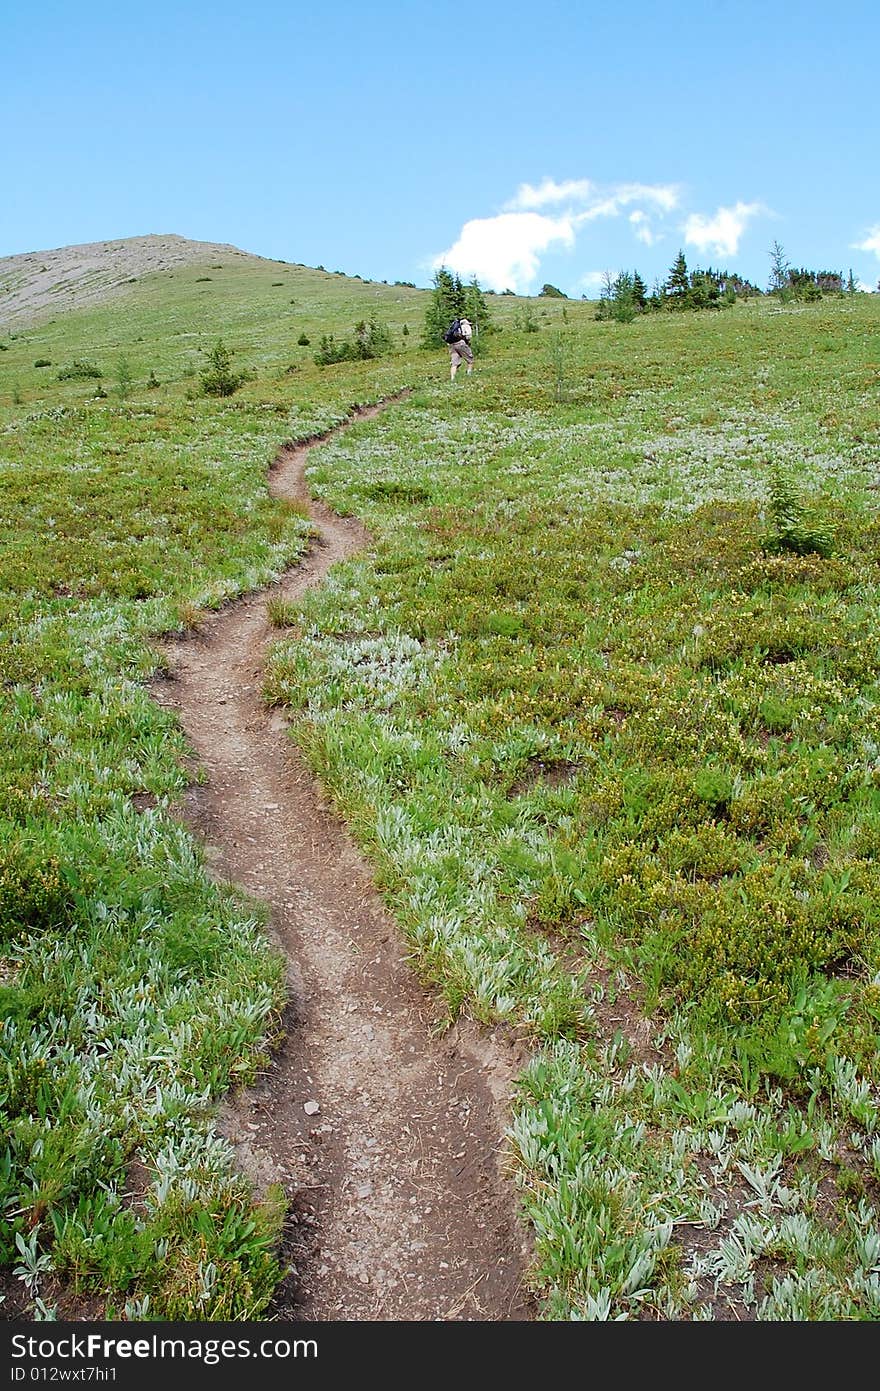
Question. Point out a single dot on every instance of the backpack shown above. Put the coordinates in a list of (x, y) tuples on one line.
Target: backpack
[(453, 333)]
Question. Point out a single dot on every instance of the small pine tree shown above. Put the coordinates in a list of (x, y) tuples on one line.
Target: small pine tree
[(370, 340), (123, 378), (780, 276), (450, 299), (558, 353), (524, 320), (678, 283), (476, 309), (792, 527), (703, 292), (218, 378), (446, 304), (623, 308)]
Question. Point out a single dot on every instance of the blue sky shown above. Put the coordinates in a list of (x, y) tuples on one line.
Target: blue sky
[(522, 143)]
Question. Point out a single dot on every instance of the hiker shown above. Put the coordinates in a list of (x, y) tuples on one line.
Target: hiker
[(460, 349)]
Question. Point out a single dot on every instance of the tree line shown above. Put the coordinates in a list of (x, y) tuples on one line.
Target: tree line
[(626, 295)]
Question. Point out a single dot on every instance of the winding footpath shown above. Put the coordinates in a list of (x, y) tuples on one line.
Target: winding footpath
[(387, 1137)]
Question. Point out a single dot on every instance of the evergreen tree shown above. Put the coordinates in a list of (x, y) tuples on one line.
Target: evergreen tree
[(218, 378), (742, 289), (830, 281), (476, 308), (370, 340), (450, 299), (678, 283), (703, 292), (639, 292), (780, 278), (446, 304), (623, 307)]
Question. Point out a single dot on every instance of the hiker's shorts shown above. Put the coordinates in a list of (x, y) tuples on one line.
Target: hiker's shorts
[(460, 351)]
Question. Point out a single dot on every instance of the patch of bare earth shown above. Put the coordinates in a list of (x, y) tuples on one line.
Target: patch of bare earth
[(387, 1136)]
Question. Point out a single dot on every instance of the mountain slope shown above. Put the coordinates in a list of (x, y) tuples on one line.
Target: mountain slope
[(71, 277)]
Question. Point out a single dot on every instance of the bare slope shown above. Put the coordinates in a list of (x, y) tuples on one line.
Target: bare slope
[(70, 277)]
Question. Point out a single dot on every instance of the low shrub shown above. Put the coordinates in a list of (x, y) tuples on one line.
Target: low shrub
[(386, 490), (370, 340), (80, 371), (34, 895)]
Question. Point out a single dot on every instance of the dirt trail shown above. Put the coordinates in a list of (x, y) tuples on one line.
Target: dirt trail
[(387, 1139)]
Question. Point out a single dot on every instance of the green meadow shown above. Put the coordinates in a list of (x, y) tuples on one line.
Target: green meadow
[(600, 704)]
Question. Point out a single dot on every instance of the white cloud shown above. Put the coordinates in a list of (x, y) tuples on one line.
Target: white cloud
[(871, 242), (591, 200), (663, 197), (720, 234), (642, 227), (595, 279), (504, 252), (528, 197)]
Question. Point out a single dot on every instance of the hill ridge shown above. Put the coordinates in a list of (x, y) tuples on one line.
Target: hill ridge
[(69, 277)]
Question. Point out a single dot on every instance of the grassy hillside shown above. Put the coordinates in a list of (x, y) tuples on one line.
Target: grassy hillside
[(39, 285), (600, 703)]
